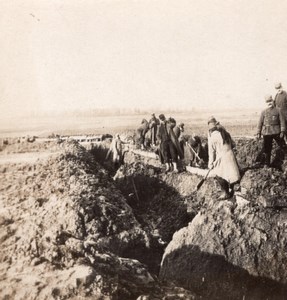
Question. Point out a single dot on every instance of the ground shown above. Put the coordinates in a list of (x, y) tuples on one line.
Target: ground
[(72, 226)]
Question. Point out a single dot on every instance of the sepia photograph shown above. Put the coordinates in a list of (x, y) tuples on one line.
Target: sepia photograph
[(143, 150)]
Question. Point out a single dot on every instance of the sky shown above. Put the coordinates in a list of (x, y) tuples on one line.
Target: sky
[(62, 55)]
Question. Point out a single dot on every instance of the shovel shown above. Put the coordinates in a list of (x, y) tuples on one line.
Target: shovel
[(193, 151), (136, 192), (202, 180)]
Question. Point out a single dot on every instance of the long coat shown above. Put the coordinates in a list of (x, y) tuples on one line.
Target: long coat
[(176, 143), (116, 149), (164, 140), (153, 125), (222, 157), (281, 102)]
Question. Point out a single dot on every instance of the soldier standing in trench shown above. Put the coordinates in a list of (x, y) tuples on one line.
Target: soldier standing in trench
[(116, 148), (272, 125), (222, 161)]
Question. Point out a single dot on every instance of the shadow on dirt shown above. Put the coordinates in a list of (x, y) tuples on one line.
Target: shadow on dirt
[(212, 277), (159, 209)]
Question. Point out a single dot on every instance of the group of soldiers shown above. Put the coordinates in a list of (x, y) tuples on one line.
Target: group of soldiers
[(170, 143), (172, 146)]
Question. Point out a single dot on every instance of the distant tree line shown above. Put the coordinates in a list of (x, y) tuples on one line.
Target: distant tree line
[(111, 112)]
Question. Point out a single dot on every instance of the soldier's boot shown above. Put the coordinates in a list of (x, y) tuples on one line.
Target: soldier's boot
[(225, 189), (167, 167), (175, 169), (267, 160), (182, 165)]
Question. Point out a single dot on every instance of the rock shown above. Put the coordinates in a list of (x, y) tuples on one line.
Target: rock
[(229, 250), (85, 275)]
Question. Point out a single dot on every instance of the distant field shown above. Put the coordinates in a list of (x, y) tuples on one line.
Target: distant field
[(237, 122)]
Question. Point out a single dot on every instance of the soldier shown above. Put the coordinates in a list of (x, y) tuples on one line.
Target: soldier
[(281, 99), (178, 132), (272, 126), (198, 151), (222, 161), (116, 148), (174, 145), (153, 124), (164, 140), (141, 133)]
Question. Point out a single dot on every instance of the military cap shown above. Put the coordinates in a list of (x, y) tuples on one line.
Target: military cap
[(171, 120), (212, 120), (268, 98), (278, 85)]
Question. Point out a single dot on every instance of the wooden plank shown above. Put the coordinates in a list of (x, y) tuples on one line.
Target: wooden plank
[(197, 171)]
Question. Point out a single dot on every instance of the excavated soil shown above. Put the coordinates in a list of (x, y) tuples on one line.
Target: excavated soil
[(73, 226), (67, 231)]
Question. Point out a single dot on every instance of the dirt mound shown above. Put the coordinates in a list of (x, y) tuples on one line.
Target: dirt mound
[(247, 150), (249, 153), (64, 219), (36, 146), (220, 250), (68, 230), (266, 186), (231, 249)]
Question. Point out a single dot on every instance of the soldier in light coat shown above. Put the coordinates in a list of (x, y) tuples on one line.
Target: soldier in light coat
[(272, 125), (116, 148), (222, 161)]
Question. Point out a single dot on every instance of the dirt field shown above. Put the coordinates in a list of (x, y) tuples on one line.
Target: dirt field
[(237, 122), (87, 230), (81, 233)]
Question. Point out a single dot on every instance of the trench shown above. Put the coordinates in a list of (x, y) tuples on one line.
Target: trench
[(158, 207), (158, 204), (162, 210)]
